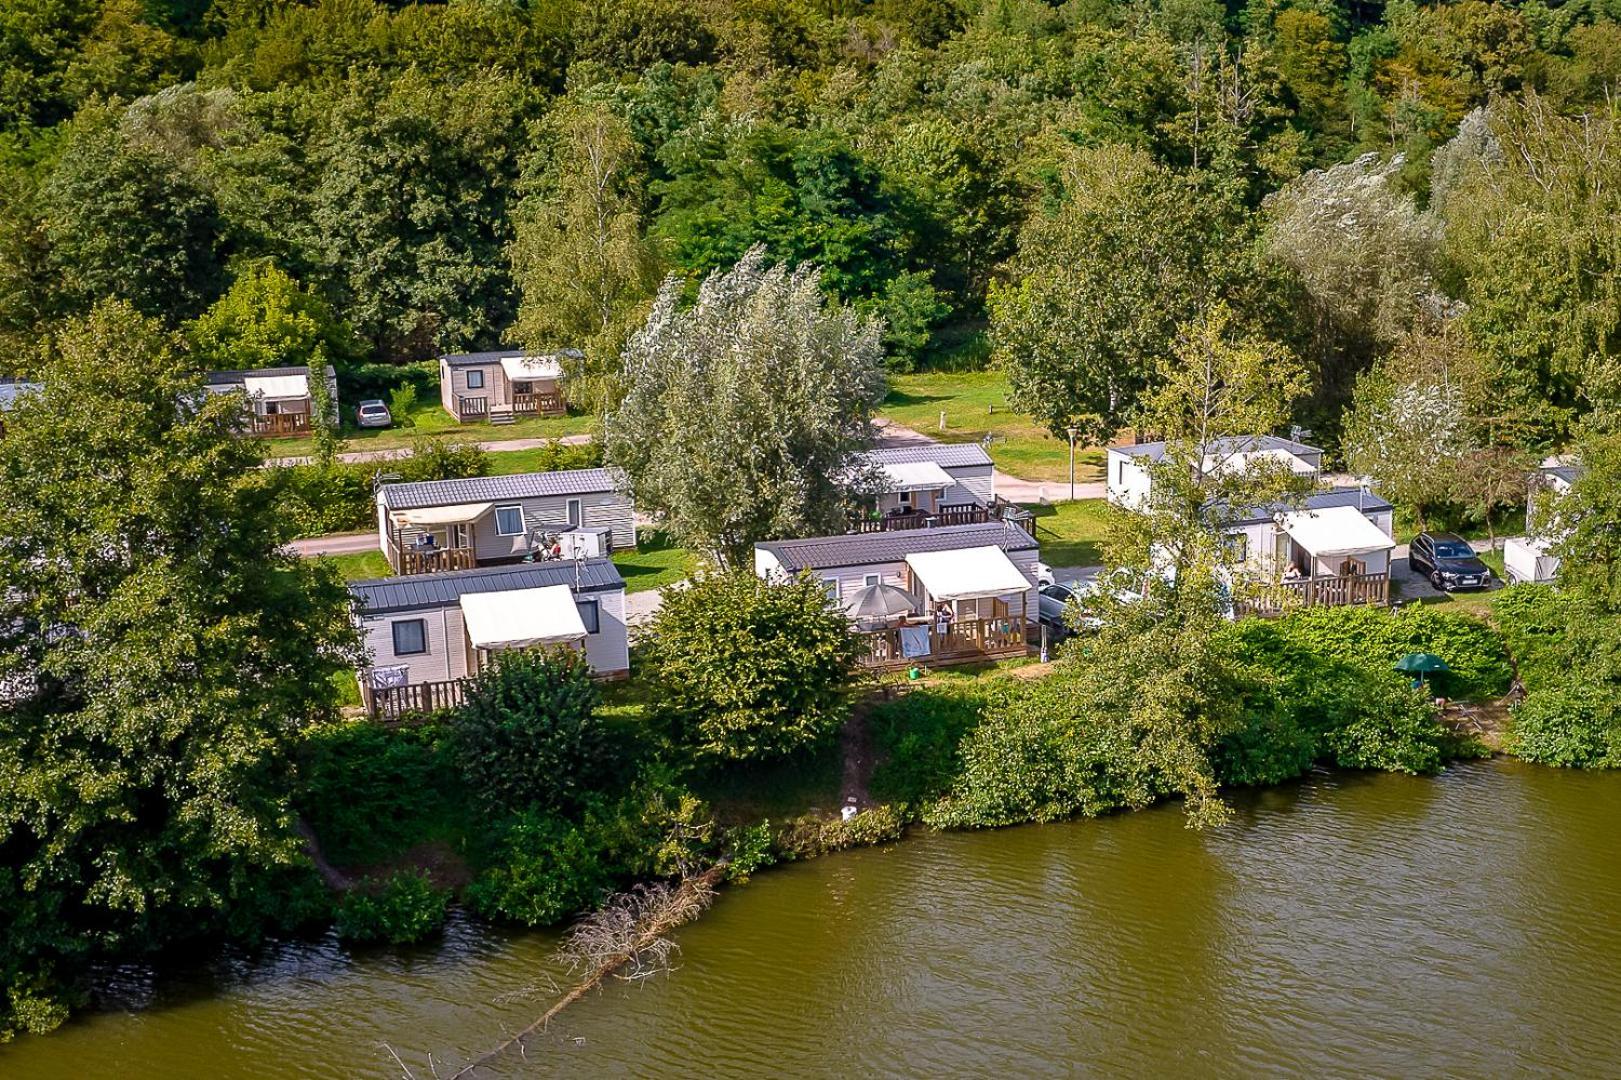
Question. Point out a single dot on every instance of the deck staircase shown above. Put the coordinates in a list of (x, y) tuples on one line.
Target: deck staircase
[(502, 414)]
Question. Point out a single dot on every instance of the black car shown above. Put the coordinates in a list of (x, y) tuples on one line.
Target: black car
[(1448, 561)]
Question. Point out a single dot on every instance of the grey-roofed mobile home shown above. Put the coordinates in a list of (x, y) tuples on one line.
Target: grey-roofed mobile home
[(967, 464), (417, 629), (500, 385), (484, 520), (279, 400)]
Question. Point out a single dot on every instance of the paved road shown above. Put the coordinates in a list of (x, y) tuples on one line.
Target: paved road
[(335, 544), (493, 446)]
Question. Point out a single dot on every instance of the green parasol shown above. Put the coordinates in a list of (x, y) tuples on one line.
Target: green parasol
[(1421, 663)]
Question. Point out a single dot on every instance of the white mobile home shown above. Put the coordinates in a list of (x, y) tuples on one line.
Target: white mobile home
[(1532, 557), (487, 520), (426, 633), (501, 385), (969, 590), (1129, 480), (278, 400)]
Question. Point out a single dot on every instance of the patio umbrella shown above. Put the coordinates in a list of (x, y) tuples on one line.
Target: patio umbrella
[(1421, 663), (880, 602)]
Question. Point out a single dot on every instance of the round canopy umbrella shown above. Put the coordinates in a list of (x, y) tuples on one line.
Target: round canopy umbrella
[(1421, 663), (880, 602)]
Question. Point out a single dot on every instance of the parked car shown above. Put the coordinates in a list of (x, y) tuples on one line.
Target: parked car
[(1051, 601), (1044, 574), (1448, 561), (373, 414)]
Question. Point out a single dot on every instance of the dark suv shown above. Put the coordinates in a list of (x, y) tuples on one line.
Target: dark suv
[(1448, 561)]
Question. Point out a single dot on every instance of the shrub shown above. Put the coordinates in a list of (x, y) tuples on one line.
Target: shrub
[(543, 869), (370, 792), (749, 848), (745, 669), (441, 459), (1575, 727), (406, 908), (402, 405), (917, 738), (1376, 638), (809, 837), (1537, 622), (527, 735)]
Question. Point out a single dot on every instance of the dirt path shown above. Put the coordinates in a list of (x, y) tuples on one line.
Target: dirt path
[(490, 446), (855, 743)]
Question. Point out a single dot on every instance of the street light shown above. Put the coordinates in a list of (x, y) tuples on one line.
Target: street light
[(1073, 433)]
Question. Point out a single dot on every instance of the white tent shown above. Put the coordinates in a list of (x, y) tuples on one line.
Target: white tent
[(532, 368), (967, 573), (522, 617), (915, 476), (441, 515), (1335, 531), (277, 387)]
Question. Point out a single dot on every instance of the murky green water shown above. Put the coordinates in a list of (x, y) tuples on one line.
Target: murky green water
[(1348, 926)]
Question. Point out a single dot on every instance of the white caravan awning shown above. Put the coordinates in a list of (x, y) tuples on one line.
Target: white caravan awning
[(915, 476), (522, 617), (277, 387), (442, 515), (530, 368), (1241, 461), (1335, 531), (967, 573)]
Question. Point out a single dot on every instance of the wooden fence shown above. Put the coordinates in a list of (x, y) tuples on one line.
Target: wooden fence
[(546, 403), (435, 560), (276, 424), (946, 514), (965, 641), (418, 699), (472, 408), (1321, 592)]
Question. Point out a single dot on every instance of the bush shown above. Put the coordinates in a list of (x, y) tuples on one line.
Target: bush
[(1375, 638), (918, 737), (402, 405), (808, 838), (1537, 622), (404, 909), (543, 868), (357, 382), (441, 459), (1576, 727), (371, 792), (749, 670), (527, 735)]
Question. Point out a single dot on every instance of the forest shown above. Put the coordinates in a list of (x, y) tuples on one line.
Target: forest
[(1416, 195)]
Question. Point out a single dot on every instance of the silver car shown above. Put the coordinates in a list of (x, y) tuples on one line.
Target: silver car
[(373, 414)]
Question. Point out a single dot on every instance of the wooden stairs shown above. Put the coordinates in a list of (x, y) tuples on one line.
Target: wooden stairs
[(502, 415)]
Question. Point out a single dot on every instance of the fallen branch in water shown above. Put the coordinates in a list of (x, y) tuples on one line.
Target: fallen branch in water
[(627, 933)]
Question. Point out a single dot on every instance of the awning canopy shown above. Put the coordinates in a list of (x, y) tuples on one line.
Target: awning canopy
[(442, 515), (530, 368), (522, 617), (915, 476), (1337, 530), (277, 387), (967, 573)]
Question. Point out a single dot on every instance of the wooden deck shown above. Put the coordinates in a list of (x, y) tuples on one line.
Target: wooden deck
[(278, 425), (541, 404), (967, 641), (945, 514), (416, 699), (474, 407), (1320, 592), (434, 560)]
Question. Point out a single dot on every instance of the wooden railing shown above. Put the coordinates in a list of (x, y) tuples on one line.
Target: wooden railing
[(964, 642), (417, 699), (472, 408), (546, 403), (435, 560), (1322, 592), (275, 424), (952, 514)]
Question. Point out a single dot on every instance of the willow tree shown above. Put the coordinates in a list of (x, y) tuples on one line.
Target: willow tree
[(159, 651), (741, 413)]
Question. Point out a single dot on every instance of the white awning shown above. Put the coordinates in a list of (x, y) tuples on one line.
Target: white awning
[(915, 476), (967, 573), (530, 368), (522, 617), (441, 515), (277, 387), (1335, 531)]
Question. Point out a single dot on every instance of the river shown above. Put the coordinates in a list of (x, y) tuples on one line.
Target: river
[(1348, 925)]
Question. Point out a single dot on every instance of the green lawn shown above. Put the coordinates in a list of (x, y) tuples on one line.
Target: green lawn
[(1071, 533), (430, 418), (975, 405), (361, 566), (656, 562)]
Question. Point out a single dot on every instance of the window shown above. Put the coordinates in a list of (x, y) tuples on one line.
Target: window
[(870, 580), (906, 500), (832, 587), (509, 520), (1238, 547), (410, 637), (589, 615), (1122, 480), (475, 380), (521, 388), (575, 515)]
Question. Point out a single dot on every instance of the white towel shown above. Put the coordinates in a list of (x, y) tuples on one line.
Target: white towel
[(914, 641)]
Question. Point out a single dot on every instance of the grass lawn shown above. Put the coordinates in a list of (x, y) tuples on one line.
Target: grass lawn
[(430, 418), (656, 562), (361, 566), (975, 405), (1071, 533)]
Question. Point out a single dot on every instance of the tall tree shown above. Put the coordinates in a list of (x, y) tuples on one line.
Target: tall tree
[(159, 649), (267, 319), (582, 267), (741, 413)]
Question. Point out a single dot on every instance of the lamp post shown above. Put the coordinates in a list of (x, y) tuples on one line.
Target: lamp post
[(1073, 433)]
